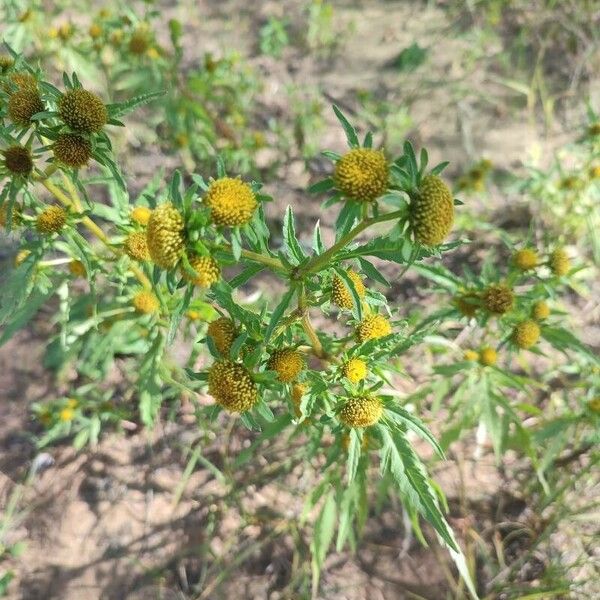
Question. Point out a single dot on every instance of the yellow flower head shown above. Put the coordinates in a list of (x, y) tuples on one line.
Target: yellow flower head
[(82, 111), (373, 327), (23, 104), (146, 302), (72, 150), (467, 304), (139, 42), (526, 334), (362, 174), (498, 298), (540, 310), (51, 220), (136, 246), (231, 201), (488, 356), (363, 411), (165, 235), (525, 259), (288, 364), (340, 294), (223, 333), (141, 215), (17, 215), (21, 257), (299, 390), (471, 355), (232, 386), (66, 414), (559, 262), (18, 161), (95, 31), (77, 268), (23, 81), (355, 370), (6, 62), (594, 172), (432, 211), (207, 271)]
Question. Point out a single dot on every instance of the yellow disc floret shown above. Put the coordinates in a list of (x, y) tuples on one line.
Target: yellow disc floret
[(139, 42), (18, 161), (288, 363), (362, 174), (23, 104), (340, 294), (355, 370), (146, 302), (471, 355), (207, 271), (232, 386), (525, 259), (559, 262), (540, 310), (488, 356), (361, 412), (526, 334), (21, 257), (77, 268), (72, 150), (373, 327), (82, 111), (498, 298), (231, 201), (223, 333), (141, 215), (299, 390), (136, 246), (165, 235), (51, 220), (16, 215), (432, 211)]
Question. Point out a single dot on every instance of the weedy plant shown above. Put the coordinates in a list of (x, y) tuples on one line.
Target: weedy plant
[(124, 278), (206, 109)]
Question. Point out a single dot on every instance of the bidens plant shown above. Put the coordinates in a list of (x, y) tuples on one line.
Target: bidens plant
[(176, 259)]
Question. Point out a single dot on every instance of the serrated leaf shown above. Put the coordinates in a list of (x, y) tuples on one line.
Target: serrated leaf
[(291, 243), (349, 130)]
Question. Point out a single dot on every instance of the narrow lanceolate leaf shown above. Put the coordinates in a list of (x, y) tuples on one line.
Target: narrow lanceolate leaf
[(356, 301), (412, 422), (278, 313), (353, 455), (318, 245), (348, 128), (291, 243), (122, 108), (322, 537), (416, 475)]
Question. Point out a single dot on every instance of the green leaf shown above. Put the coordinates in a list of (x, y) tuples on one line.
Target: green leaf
[(415, 424), (292, 245), (322, 538), (348, 128), (122, 108), (321, 186), (278, 313), (354, 447)]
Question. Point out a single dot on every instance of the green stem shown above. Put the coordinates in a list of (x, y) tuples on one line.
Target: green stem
[(269, 261), (317, 262)]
